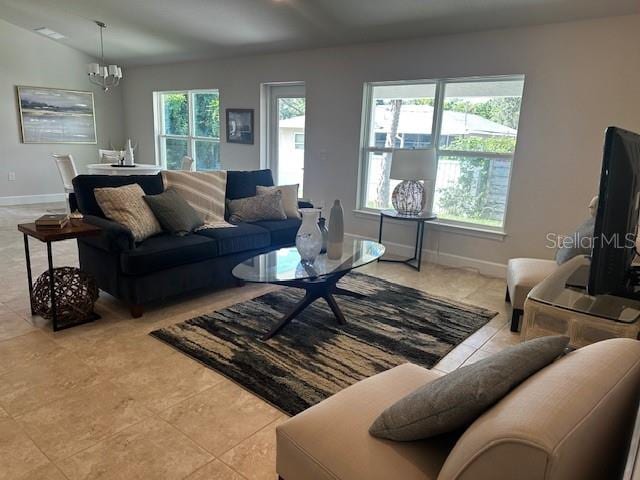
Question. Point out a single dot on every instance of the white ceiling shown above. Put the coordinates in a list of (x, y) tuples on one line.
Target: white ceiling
[(159, 31)]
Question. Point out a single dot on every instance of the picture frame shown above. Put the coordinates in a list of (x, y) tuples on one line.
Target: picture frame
[(56, 115), (240, 123)]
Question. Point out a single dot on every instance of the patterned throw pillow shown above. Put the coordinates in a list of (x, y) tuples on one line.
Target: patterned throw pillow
[(126, 206), (289, 197), (260, 207)]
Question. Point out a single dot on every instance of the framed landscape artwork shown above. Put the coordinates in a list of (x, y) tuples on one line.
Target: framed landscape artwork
[(240, 125), (51, 115)]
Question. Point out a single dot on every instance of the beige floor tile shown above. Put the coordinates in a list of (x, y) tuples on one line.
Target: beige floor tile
[(3, 414), (478, 355), (114, 355), (21, 351), (18, 454), (481, 337), (13, 325), (58, 375), (502, 339), (165, 383), (215, 470), (47, 472), (455, 358), (220, 418), (151, 449), (255, 457), (81, 420)]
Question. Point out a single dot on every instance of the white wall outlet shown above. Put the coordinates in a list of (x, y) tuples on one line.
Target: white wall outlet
[(12, 176)]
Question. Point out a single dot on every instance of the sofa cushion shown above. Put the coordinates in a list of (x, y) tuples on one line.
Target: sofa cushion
[(126, 206), (173, 212), (259, 207), (243, 184), (83, 186), (283, 232), (289, 197), (571, 420), (455, 400), (331, 441), (166, 251), (237, 239)]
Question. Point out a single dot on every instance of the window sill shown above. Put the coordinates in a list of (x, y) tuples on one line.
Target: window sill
[(442, 225)]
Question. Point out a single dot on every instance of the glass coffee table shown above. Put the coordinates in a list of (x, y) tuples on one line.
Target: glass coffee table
[(318, 279)]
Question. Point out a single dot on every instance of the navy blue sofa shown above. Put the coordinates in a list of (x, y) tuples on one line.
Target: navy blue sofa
[(166, 265)]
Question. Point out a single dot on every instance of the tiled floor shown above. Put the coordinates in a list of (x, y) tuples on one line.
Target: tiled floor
[(107, 401)]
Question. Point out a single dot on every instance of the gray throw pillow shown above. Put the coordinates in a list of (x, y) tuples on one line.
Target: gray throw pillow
[(580, 243), (260, 207), (173, 212), (458, 398)]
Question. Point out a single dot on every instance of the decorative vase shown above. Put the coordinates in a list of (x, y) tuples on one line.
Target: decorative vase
[(322, 225), (128, 154), (309, 237), (336, 232)]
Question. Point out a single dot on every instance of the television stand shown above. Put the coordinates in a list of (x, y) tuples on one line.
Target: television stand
[(560, 305)]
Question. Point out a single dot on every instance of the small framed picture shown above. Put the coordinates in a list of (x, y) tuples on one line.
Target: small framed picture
[(240, 125)]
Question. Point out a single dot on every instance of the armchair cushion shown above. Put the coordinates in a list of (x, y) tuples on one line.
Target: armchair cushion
[(330, 441)]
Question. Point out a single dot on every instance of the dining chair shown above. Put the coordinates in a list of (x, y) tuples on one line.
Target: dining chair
[(110, 156), (67, 169), (187, 164)]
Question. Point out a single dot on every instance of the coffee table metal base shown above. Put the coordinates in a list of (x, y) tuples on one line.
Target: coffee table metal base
[(324, 287)]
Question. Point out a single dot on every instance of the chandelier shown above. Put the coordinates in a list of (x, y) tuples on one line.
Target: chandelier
[(105, 76)]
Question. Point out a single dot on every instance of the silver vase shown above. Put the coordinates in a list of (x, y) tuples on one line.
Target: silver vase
[(336, 232)]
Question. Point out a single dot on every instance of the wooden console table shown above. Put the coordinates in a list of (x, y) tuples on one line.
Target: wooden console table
[(49, 236), (560, 306)]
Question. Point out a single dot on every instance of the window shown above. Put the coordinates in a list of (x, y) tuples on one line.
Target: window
[(188, 123), (472, 124), (298, 141)]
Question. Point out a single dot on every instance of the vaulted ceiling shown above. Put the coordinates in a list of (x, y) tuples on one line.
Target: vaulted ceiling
[(159, 31)]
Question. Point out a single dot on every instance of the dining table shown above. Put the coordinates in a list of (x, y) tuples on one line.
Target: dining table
[(111, 169)]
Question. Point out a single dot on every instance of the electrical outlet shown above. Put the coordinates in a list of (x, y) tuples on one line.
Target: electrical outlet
[(12, 176)]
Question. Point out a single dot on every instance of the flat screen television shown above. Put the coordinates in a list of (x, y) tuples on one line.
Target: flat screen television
[(616, 226)]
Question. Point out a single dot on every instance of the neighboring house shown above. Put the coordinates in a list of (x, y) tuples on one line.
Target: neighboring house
[(414, 126), (291, 151)]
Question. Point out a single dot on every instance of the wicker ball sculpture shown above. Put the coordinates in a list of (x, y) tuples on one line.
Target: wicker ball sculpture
[(75, 294)]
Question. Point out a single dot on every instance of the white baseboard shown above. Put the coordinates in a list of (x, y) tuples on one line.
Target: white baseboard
[(491, 269), (31, 199)]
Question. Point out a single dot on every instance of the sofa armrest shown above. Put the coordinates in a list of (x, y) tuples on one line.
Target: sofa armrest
[(113, 238), (304, 203)]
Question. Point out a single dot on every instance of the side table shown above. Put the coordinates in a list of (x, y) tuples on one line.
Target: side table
[(49, 236), (419, 219)]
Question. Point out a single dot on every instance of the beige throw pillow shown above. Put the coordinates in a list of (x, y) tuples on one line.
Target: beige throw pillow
[(254, 209), (126, 206), (289, 198)]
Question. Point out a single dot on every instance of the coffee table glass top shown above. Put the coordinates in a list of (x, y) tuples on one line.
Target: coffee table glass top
[(284, 265)]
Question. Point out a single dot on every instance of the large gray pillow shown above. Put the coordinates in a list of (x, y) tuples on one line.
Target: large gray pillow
[(254, 209), (173, 212), (579, 243), (458, 398)]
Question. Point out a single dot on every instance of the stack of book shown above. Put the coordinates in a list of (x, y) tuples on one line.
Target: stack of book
[(52, 222)]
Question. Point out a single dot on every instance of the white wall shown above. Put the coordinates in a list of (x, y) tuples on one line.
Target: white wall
[(580, 78), (27, 58)]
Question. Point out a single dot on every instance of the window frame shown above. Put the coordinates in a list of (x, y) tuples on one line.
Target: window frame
[(191, 137), (366, 149)]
